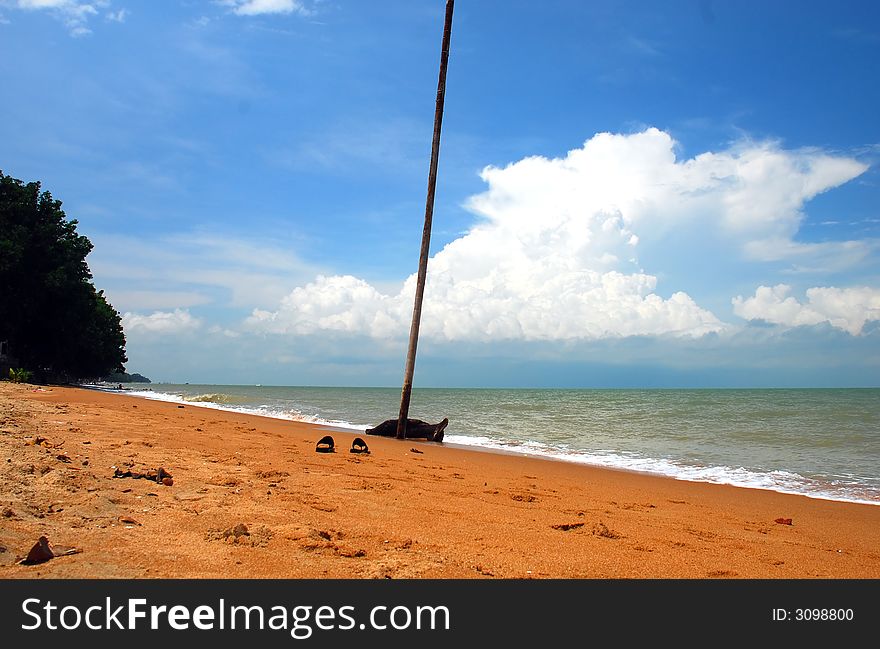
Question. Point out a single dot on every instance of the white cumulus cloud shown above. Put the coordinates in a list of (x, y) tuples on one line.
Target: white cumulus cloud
[(260, 7), (338, 303), (116, 16), (845, 308), (73, 13), (555, 253), (162, 322)]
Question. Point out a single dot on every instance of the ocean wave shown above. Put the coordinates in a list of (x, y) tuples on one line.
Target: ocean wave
[(273, 412), (781, 481), (214, 397)]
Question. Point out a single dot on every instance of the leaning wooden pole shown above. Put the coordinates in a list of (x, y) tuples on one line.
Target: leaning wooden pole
[(426, 232)]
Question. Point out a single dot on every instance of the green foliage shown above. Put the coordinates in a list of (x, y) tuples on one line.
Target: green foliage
[(57, 324), (19, 375)]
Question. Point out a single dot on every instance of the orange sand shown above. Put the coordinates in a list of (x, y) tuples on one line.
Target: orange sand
[(444, 512)]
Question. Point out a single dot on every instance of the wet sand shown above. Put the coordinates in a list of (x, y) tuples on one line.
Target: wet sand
[(252, 499)]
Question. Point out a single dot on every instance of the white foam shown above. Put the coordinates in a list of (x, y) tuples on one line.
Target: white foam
[(781, 481), (260, 411)]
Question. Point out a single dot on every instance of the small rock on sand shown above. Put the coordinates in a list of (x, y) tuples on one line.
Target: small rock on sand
[(40, 553)]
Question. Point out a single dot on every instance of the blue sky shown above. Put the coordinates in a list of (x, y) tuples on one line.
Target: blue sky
[(630, 193)]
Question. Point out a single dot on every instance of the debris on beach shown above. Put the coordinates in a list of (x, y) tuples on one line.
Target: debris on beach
[(415, 429), (485, 571), (783, 521), (415, 450), (128, 520), (45, 443), (40, 553), (565, 527), (600, 529), (159, 475), (240, 534), (43, 552), (235, 534)]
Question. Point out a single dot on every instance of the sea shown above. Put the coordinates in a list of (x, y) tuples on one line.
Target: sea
[(821, 443)]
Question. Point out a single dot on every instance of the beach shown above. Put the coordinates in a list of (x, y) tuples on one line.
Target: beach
[(250, 498)]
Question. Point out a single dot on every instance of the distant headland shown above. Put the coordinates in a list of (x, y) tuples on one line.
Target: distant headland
[(123, 377)]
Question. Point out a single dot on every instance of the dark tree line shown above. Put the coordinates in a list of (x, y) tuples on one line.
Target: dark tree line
[(52, 319)]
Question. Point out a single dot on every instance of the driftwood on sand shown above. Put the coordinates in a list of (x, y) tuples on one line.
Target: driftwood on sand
[(415, 429)]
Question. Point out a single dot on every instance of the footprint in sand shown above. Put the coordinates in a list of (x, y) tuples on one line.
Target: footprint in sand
[(241, 534), (642, 507), (272, 475)]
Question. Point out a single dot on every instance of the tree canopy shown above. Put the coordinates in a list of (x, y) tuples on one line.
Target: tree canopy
[(53, 319)]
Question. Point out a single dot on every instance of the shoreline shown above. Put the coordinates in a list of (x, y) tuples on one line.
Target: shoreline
[(410, 509), (558, 457)]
